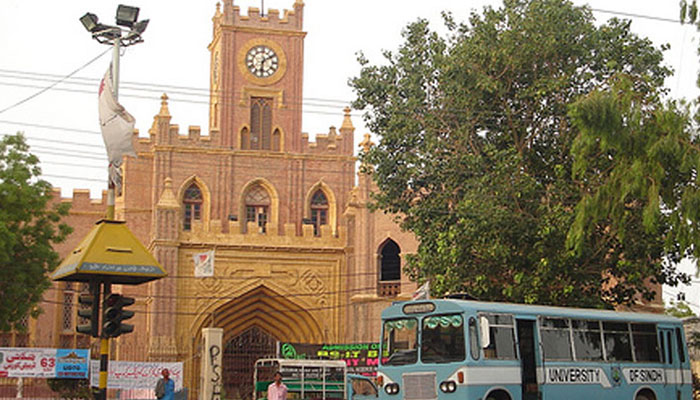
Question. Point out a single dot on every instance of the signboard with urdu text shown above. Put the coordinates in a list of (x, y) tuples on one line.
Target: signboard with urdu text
[(136, 375), (26, 362)]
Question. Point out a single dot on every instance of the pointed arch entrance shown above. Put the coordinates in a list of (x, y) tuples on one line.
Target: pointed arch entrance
[(254, 323), (240, 353)]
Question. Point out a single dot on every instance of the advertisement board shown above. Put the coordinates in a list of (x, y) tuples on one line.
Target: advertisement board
[(25, 362), (135, 375), (361, 358)]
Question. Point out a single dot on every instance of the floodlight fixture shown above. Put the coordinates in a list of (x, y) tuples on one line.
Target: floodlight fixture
[(140, 26), (127, 15), (90, 21)]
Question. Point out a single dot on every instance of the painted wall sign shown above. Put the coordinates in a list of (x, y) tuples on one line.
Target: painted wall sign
[(577, 376), (643, 375)]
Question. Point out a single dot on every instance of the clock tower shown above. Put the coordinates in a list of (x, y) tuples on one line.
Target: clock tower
[(256, 79)]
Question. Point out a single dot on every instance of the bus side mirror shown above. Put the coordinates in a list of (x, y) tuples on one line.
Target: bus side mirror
[(484, 331)]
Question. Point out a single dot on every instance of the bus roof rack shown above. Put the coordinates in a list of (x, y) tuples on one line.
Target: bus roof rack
[(460, 296)]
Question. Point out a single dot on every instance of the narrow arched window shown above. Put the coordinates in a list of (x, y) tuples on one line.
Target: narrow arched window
[(390, 269), (319, 211), (260, 123), (245, 139), (192, 201), (276, 140), (391, 261), (257, 207)]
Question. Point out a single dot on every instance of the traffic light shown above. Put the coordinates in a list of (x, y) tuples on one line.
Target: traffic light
[(114, 314), (90, 310)]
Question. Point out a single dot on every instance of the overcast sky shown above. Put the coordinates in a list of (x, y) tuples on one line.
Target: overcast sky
[(45, 37)]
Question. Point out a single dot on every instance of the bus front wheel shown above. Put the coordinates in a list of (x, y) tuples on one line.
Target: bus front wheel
[(498, 395), (645, 395)]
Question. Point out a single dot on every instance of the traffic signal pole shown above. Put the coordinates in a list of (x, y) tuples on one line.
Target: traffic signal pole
[(104, 354)]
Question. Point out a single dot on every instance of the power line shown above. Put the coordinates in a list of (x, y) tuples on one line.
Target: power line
[(198, 91), (260, 296), (26, 99), (635, 15)]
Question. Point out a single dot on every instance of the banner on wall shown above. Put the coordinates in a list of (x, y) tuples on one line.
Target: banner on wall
[(204, 264), (25, 362), (135, 375), (361, 358)]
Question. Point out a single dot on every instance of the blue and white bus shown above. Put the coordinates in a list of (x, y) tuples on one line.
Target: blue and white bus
[(456, 349)]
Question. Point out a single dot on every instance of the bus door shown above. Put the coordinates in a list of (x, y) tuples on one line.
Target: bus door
[(671, 362), (528, 365)]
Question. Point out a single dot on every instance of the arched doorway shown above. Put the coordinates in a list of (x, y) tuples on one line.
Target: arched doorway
[(240, 353), (253, 323)]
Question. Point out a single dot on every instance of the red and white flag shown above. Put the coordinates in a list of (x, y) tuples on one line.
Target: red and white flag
[(422, 293), (204, 264), (117, 129)]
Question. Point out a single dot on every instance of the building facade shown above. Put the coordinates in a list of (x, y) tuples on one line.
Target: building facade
[(298, 256)]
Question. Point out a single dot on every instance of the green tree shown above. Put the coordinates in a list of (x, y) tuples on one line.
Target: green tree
[(475, 153), (679, 309), (28, 229)]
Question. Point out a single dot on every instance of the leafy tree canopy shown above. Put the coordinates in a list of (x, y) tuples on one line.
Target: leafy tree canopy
[(475, 155), (28, 229), (680, 309)]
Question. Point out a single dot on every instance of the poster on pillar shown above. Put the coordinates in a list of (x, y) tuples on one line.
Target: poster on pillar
[(135, 375)]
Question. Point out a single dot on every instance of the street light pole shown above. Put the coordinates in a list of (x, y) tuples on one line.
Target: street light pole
[(127, 17)]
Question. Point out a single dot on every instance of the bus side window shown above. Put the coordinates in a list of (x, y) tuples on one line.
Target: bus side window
[(662, 347), (679, 345), (501, 344), (670, 347), (473, 339)]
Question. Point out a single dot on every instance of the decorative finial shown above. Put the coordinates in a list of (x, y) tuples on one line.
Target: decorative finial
[(347, 122), (167, 197), (367, 143), (164, 105), (218, 9)]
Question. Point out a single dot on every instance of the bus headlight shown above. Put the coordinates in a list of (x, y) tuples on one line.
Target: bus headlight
[(448, 386), (391, 388)]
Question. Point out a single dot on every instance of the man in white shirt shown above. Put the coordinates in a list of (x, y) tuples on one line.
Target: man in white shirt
[(277, 390)]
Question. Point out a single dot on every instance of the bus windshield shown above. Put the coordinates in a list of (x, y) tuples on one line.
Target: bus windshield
[(442, 339), (400, 341)]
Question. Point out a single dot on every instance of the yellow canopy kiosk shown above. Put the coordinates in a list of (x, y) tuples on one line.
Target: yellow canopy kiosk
[(110, 252)]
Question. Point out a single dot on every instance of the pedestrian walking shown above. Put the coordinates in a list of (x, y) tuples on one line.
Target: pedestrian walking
[(277, 390), (165, 388)]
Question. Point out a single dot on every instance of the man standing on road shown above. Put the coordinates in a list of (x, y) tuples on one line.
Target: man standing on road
[(277, 390), (165, 388)]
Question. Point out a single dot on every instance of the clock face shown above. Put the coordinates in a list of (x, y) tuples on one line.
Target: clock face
[(262, 61)]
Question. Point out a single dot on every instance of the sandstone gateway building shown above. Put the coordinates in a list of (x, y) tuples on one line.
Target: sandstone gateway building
[(298, 256)]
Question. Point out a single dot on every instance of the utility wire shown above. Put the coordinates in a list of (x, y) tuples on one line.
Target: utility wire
[(43, 90), (635, 15)]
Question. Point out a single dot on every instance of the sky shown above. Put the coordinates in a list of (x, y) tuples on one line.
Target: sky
[(42, 41)]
